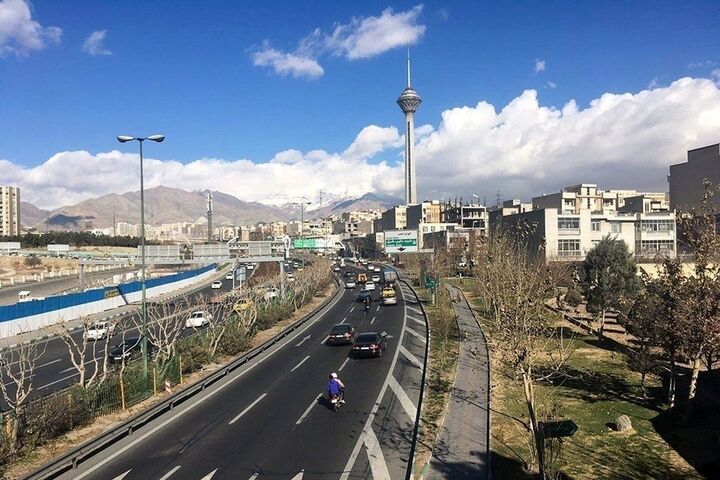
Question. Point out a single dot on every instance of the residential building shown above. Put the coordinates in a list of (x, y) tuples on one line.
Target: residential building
[(9, 211), (687, 179), (425, 212), (466, 215), (394, 218)]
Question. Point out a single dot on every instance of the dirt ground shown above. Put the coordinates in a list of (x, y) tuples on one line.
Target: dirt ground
[(13, 266)]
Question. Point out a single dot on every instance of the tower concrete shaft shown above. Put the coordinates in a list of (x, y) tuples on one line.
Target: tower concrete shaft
[(409, 101)]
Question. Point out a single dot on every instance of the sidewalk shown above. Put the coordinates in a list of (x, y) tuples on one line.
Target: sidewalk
[(46, 332), (462, 450)]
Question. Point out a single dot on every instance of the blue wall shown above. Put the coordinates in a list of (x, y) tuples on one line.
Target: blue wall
[(49, 304)]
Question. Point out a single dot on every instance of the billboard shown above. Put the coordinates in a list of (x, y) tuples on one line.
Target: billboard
[(160, 252), (216, 250), (401, 241), (9, 246), (58, 248)]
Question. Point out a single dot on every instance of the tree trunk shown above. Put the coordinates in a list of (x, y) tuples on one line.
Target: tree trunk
[(693, 389), (602, 323), (537, 434), (671, 384)]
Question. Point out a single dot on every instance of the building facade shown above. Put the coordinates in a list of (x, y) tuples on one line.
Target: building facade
[(686, 179), (10, 211)]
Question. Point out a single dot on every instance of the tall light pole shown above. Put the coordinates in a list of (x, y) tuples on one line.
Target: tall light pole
[(143, 308), (302, 226)]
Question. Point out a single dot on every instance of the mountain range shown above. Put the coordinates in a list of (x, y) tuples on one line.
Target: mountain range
[(173, 205)]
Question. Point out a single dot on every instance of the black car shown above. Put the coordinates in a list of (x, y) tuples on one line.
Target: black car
[(127, 349), (363, 296), (341, 334), (370, 344), (350, 273)]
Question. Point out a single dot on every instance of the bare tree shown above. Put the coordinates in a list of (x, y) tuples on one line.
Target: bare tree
[(514, 285), (80, 346), (17, 368), (165, 323)]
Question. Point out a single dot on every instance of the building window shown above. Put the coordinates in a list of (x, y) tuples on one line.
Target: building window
[(616, 227), (569, 248), (569, 223), (657, 225), (654, 247), (595, 225)]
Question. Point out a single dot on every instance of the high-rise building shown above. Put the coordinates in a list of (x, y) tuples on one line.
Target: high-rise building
[(9, 211), (409, 101)]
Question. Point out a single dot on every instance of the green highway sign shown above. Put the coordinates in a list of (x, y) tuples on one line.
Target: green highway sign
[(401, 241), (305, 243)]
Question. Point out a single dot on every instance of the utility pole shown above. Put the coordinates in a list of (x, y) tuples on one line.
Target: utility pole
[(209, 215)]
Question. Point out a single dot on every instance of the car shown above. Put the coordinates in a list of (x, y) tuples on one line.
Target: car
[(389, 297), (296, 264), (197, 319), (290, 275), (369, 286), (230, 275), (362, 278), (350, 284), (99, 330), (249, 266), (243, 304), (216, 285), (363, 295), (376, 278), (376, 268), (341, 334), (349, 273), (336, 269), (369, 344), (127, 349)]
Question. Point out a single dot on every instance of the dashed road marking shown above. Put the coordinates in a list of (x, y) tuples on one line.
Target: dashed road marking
[(247, 409), (411, 357), (123, 475), (343, 320), (416, 334), (343, 364), (378, 308), (373, 320), (301, 362), (167, 475), (324, 340), (307, 411), (209, 475), (405, 401)]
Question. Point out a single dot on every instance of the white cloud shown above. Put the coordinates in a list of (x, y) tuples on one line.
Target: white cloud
[(93, 44), (706, 63), (371, 36), (284, 64), (363, 37), (550, 84), (19, 33), (539, 65), (654, 83), (522, 149), (716, 75)]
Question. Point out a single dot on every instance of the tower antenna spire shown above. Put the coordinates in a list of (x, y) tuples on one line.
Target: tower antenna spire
[(408, 66)]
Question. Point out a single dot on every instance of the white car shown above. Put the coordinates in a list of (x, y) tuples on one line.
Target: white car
[(99, 330), (369, 286), (376, 268), (229, 275), (350, 284), (249, 266), (216, 285), (198, 319), (270, 294), (336, 269), (376, 278)]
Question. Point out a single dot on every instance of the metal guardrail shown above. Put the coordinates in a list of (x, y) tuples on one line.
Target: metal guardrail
[(72, 459)]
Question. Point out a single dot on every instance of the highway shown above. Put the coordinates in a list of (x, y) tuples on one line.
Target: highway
[(269, 418), (54, 370)]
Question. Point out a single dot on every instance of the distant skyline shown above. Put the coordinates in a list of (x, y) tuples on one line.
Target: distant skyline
[(292, 98)]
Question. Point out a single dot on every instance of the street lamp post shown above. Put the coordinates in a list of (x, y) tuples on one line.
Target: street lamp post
[(143, 307), (302, 226)]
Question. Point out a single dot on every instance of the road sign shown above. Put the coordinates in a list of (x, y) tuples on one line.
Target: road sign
[(401, 241), (562, 428)]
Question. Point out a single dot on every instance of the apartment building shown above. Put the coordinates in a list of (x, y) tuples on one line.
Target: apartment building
[(394, 218), (425, 212), (10, 211), (467, 216), (687, 179)]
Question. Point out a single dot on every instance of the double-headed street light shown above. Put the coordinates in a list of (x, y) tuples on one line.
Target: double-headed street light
[(143, 340), (302, 226)]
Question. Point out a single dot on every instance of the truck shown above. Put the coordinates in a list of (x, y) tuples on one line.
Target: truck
[(390, 276)]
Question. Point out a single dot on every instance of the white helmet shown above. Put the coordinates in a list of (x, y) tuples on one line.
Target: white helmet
[(333, 375)]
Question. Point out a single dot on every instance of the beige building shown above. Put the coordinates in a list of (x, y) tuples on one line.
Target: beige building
[(394, 218), (425, 212), (10, 211)]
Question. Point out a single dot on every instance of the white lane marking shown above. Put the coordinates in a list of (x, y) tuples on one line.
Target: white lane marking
[(201, 400), (305, 339), (48, 363), (299, 476), (378, 467), (247, 409), (374, 410), (324, 340), (343, 364), (418, 320), (307, 411), (373, 320), (167, 475), (352, 308), (254, 476), (58, 381), (343, 320), (405, 401), (378, 308), (209, 475), (120, 477), (411, 357), (416, 309), (301, 362), (416, 334)]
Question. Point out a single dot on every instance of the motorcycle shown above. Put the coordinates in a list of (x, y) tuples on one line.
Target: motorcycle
[(336, 400), (367, 306)]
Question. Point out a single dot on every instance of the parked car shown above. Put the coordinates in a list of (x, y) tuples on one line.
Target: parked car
[(127, 349), (369, 344), (99, 330), (341, 334), (216, 285), (369, 286), (197, 319), (350, 284)]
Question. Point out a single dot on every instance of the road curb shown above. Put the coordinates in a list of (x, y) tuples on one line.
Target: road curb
[(89, 449)]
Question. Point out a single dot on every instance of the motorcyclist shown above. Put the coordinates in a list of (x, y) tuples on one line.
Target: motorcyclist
[(367, 302), (336, 388)]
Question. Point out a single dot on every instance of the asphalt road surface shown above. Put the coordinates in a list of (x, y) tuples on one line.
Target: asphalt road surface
[(270, 420)]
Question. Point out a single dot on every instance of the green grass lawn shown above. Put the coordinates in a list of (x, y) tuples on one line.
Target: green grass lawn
[(596, 387)]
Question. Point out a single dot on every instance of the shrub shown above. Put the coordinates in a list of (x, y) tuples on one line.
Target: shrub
[(573, 297), (33, 261), (235, 340), (193, 352)]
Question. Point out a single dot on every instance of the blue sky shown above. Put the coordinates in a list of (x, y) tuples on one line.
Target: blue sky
[(186, 69)]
